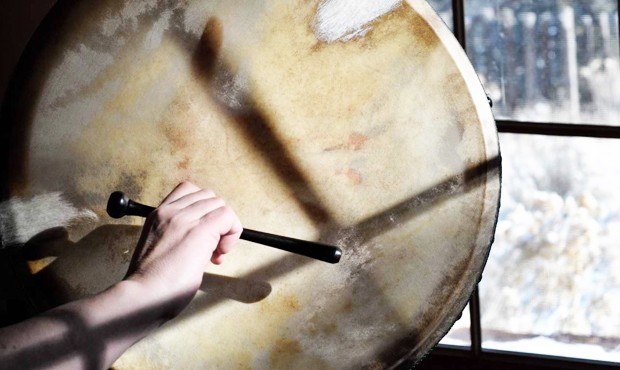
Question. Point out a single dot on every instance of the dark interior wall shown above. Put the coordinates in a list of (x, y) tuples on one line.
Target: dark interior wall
[(18, 21)]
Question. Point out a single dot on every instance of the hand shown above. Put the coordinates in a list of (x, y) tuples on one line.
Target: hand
[(189, 228)]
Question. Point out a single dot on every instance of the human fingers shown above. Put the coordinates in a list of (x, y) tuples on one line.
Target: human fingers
[(223, 227), (179, 191), (170, 222), (193, 213), (227, 242), (230, 231), (192, 198), (217, 258), (225, 246)]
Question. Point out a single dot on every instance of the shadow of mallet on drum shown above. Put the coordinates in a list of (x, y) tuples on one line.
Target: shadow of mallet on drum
[(239, 105), (101, 258), (217, 76), (421, 202)]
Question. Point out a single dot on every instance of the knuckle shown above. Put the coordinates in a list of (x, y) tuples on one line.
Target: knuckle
[(208, 193), (212, 204), (160, 214), (226, 211), (185, 183), (220, 202), (177, 220), (187, 186)]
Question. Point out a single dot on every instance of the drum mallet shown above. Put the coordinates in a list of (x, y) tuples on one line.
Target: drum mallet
[(120, 205)]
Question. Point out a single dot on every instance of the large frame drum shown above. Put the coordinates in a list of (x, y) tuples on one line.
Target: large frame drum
[(355, 123)]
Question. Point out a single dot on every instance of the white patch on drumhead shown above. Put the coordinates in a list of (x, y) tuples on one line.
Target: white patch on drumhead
[(110, 25), (77, 69), (133, 9), (21, 219), (128, 14), (342, 20), (154, 36)]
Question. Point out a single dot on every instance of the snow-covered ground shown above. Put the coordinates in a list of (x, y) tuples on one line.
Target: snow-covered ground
[(554, 269), (552, 282)]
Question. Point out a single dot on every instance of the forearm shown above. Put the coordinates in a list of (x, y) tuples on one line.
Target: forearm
[(90, 333)]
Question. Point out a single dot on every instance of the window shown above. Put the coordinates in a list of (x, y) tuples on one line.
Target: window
[(559, 231), (548, 61), (552, 282)]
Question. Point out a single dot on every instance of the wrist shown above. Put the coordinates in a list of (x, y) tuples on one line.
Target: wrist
[(159, 297), (140, 302)]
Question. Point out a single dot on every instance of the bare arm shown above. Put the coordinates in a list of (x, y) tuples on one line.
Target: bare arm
[(190, 228)]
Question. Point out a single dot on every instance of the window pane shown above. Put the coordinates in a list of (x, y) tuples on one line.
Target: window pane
[(552, 282), (459, 335), (554, 61), (444, 9)]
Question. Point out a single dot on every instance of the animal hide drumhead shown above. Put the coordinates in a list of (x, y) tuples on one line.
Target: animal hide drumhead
[(355, 123)]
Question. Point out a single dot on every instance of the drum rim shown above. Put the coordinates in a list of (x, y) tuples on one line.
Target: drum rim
[(492, 155)]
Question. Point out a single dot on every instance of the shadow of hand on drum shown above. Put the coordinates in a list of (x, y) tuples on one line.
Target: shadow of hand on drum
[(101, 258), (88, 266), (218, 287)]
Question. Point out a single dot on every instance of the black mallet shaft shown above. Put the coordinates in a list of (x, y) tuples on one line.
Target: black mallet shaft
[(120, 205)]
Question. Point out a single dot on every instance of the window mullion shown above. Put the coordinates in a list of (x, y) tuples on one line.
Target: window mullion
[(458, 21), (475, 328)]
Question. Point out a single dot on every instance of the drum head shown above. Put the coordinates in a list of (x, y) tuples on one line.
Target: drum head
[(354, 123)]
